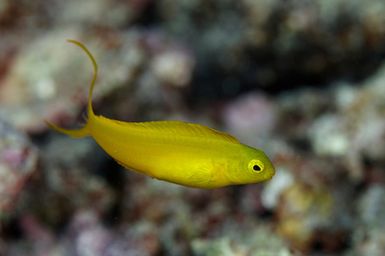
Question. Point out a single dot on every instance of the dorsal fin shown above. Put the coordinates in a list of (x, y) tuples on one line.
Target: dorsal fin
[(179, 128)]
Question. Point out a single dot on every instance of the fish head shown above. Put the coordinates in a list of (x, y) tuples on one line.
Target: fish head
[(253, 166)]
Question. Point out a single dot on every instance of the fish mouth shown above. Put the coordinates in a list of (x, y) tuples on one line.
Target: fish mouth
[(270, 175)]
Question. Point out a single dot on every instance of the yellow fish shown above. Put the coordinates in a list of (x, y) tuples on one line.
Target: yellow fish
[(184, 153)]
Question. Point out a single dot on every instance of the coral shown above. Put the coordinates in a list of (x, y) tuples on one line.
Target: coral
[(18, 161)]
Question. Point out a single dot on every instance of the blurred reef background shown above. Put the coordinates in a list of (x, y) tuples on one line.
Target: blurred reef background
[(303, 80)]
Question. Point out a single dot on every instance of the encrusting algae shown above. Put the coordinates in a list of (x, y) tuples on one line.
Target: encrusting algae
[(183, 153)]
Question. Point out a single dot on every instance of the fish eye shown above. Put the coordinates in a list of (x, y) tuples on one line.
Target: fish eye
[(256, 165)]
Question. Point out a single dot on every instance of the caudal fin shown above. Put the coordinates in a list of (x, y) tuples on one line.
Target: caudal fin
[(76, 133), (84, 131)]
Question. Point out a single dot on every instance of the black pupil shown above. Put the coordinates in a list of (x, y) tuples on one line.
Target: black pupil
[(256, 168)]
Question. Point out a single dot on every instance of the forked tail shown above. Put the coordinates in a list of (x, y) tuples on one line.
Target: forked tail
[(84, 131)]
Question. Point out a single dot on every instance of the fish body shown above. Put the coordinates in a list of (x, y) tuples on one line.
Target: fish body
[(179, 152)]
